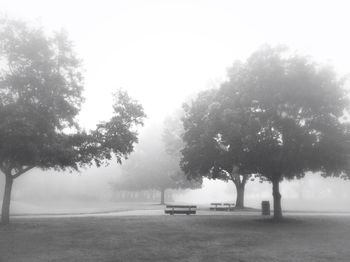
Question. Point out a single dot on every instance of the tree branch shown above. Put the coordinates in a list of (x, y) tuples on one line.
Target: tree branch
[(22, 171), (244, 179), (234, 179)]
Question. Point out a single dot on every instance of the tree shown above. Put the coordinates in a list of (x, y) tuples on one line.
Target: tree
[(217, 135), (172, 134), (173, 144), (41, 87), (298, 107), (151, 168), (277, 115)]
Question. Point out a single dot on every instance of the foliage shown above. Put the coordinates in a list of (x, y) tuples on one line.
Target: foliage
[(278, 116), (40, 95), (116, 136), (218, 133), (41, 86), (298, 107), (151, 167), (172, 134), (217, 137)]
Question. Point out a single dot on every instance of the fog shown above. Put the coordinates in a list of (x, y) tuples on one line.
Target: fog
[(163, 52), (90, 190), (313, 193), (43, 192)]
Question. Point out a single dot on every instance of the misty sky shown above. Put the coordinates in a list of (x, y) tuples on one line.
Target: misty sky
[(162, 51)]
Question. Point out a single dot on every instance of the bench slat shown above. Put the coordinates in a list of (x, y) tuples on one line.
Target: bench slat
[(220, 208), (180, 206)]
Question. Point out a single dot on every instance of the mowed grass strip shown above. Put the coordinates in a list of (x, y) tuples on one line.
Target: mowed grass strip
[(176, 238)]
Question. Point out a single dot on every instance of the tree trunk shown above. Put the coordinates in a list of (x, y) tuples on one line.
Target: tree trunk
[(5, 211), (239, 181), (277, 209), (162, 196), (240, 196)]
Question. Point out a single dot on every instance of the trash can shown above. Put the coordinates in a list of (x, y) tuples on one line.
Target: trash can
[(265, 208)]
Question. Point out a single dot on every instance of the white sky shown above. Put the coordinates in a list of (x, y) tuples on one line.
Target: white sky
[(163, 51)]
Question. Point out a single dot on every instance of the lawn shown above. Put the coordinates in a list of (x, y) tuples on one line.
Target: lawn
[(176, 238)]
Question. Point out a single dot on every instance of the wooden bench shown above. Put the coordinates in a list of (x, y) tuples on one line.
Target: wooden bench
[(222, 206), (230, 206), (180, 209), (216, 206)]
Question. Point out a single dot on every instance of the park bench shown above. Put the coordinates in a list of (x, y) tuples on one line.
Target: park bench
[(222, 206), (180, 209), (230, 206), (216, 206)]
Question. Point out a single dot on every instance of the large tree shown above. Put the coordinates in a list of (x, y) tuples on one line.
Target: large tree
[(41, 87), (278, 115), (217, 133), (298, 107)]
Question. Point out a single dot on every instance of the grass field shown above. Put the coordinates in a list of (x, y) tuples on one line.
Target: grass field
[(176, 238)]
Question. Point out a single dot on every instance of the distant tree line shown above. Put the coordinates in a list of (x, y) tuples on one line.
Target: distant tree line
[(153, 167), (150, 195)]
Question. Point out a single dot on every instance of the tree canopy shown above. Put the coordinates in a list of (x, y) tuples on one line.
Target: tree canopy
[(41, 85), (278, 114), (299, 106), (217, 136)]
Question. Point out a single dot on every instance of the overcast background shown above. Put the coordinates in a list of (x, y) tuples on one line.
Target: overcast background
[(162, 52)]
